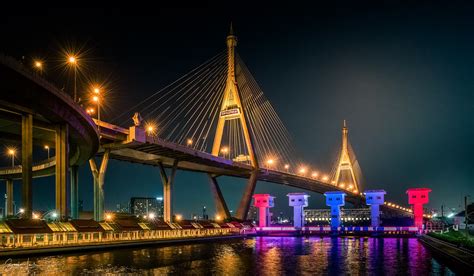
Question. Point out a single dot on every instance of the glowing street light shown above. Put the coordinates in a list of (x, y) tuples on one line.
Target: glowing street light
[(108, 217), (38, 65), (225, 151), (151, 215), (315, 175), (54, 215), (287, 167), (90, 111), (189, 142), (11, 152), (302, 171), (46, 147), (325, 178), (218, 218), (179, 217), (35, 216)]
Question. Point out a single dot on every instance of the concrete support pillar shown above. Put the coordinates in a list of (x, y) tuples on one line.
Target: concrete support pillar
[(221, 206), (264, 202), (61, 170), (27, 164), (335, 200), (99, 180), (168, 190), (9, 198), (244, 206), (298, 201), (74, 192)]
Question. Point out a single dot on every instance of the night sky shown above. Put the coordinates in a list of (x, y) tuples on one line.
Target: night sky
[(400, 75)]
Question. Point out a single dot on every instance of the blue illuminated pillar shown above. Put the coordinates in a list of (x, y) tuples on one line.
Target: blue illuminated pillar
[(375, 198), (335, 200)]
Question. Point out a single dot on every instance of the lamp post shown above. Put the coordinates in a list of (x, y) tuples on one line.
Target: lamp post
[(46, 147), (12, 153), (38, 65), (73, 61), (224, 151), (96, 98)]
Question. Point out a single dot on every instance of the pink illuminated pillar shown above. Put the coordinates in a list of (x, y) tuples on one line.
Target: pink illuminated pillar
[(418, 197), (263, 202)]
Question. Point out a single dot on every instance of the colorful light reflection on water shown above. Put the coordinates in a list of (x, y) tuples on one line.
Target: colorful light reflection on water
[(261, 255)]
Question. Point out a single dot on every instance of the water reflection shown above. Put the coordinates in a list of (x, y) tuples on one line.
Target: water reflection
[(261, 255)]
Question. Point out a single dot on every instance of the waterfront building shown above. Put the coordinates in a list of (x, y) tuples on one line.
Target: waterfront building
[(142, 206), (358, 216)]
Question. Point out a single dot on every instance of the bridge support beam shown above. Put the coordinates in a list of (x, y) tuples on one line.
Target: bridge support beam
[(61, 170), (74, 192), (244, 206), (99, 180), (168, 190), (9, 198), (27, 164), (221, 206)]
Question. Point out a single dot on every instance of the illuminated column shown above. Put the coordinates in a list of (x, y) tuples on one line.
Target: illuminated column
[(264, 202), (168, 181), (61, 152), (9, 198), (335, 200), (298, 201), (27, 164), (99, 181), (74, 192), (418, 197), (375, 198)]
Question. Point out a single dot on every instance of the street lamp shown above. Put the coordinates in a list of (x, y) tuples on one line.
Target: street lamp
[(287, 167), (11, 152), (189, 142), (303, 171), (96, 98), (46, 147), (224, 151), (72, 60), (38, 65)]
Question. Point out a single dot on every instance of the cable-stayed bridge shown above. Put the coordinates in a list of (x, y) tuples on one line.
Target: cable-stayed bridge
[(215, 120)]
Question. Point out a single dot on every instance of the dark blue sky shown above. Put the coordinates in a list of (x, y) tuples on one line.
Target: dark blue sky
[(401, 75)]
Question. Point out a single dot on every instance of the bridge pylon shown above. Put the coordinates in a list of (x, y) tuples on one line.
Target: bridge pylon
[(346, 172), (231, 106), (232, 109)]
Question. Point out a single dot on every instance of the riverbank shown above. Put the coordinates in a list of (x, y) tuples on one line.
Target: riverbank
[(54, 250), (450, 252)]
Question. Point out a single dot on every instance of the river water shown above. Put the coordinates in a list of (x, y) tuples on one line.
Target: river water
[(261, 255)]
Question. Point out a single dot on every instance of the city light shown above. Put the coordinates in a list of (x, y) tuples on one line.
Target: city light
[(21, 210), (35, 216), (151, 215), (95, 98), (179, 217), (325, 178), (218, 218), (54, 215), (159, 198), (11, 152), (108, 217), (189, 142), (451, 215), (314, 174), (96, 90), (90, 111), (46, 147), (287, 167)]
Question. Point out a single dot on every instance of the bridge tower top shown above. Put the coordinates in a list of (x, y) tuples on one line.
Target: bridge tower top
[(346, 173), (231, 106)]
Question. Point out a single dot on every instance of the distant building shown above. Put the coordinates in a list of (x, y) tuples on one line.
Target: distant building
[(253, 213), (123, 207), (360, 216), (141, 206)]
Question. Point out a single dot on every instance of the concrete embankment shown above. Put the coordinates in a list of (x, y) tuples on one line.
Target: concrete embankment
[(64, 249), (451, 253)]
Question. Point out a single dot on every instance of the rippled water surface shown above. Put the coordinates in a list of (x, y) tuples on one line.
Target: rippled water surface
[(261, 255)]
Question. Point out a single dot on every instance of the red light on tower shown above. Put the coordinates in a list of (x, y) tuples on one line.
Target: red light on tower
[(418, 197)]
